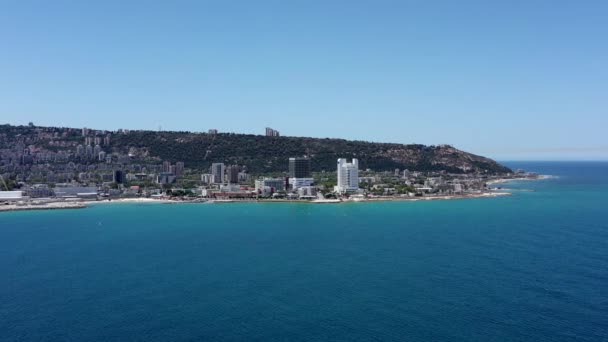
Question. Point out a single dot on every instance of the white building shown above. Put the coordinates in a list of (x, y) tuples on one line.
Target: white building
[(206, 178), (11, 196), (307, 192), (297, 183), (76, 192), (217, 173), (348, 176), (274, 184), (230, 188)]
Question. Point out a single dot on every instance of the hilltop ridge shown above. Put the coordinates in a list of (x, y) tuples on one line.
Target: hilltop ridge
[(269, 154)]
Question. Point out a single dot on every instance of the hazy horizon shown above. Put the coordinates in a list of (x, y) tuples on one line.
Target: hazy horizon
[(510, 81)]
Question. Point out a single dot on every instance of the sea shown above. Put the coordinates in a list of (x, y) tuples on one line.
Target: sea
[(528, 267)]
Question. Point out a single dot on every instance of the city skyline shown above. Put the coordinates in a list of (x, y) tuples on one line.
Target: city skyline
[(507, 81)]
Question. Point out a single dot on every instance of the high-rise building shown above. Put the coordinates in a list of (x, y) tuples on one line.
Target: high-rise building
[(80, 150), (299, 173), (272, 132), (96, 150), (107, 140), (166, 166), (102, 156), (179, 168), (299, 168), (217, 173), (119, 177), (232, 173), (348, 176), (89, 151), (85, 131), (212, 131), (97, 140)]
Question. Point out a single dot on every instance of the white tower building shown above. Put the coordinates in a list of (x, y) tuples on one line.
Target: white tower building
[(348, 176)]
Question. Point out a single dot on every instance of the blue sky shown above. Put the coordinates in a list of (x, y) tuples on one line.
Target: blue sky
[(507, 79)]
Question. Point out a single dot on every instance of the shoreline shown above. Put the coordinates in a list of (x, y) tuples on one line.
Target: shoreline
[(85, 204), (489, 193), (43, 206), (507, 180)]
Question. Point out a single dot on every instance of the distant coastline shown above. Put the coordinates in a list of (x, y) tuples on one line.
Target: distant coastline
[(85, 204), (55, 205)]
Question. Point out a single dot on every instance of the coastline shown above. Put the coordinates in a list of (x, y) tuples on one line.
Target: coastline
[(85, 204), (43, 206), (507, 180), (489, 193)]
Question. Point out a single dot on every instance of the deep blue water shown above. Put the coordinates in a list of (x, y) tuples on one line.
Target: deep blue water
[(529, 267)]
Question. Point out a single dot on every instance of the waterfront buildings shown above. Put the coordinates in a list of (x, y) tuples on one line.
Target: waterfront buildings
[(206, 178), (271, 184), (232, 174), (217, 173), (348, 176), (307, 192), (89, 192), (299, 168), (119, 177), (300, 174), (11, 196), (165, 178), (39, 191), (179, 168)]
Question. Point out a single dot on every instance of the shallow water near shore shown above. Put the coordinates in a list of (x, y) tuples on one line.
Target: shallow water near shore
[(527, 267)]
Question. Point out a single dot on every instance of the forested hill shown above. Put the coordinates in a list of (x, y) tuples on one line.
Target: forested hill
[(270, 154), (261, 154)]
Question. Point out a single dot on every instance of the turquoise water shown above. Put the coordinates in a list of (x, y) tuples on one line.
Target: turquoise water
[(529, 267)]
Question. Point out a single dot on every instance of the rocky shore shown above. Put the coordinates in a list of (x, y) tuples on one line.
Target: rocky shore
[(42, 206)]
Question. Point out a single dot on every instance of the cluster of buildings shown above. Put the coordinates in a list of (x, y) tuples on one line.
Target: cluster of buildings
[(299, 183), (83, 164), (272, 132)]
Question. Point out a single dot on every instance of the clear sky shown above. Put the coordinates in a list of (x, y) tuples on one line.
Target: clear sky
[(507, 79)]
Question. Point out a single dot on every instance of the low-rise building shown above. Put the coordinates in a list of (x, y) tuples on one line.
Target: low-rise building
[(297, 183), (275, 184), (39, 191), (11, 196), (165, 178), (83, 192), (307, 192)]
